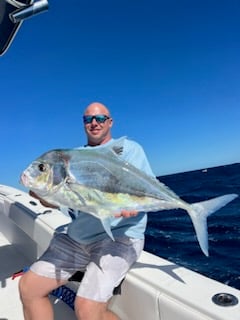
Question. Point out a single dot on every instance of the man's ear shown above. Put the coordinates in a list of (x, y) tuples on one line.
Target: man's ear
[(111, 122)]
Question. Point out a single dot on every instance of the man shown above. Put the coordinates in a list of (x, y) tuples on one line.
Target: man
[(86, 246)]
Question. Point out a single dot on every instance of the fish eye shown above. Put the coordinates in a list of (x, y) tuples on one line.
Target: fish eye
[(42, 167)]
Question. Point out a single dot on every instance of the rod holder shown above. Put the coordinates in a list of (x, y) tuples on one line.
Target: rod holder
[(29, 11), (224, 299)]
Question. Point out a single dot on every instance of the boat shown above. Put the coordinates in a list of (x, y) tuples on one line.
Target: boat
[(154, 288)]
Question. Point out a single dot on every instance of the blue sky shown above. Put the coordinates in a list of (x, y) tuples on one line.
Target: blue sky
[(168, 70)]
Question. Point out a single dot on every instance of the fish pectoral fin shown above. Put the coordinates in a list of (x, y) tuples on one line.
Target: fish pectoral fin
[(106, 222), (76, 188)]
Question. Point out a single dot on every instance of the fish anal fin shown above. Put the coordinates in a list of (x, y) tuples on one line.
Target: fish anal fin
[(106, 222)]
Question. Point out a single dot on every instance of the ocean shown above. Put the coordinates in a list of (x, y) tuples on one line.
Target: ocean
[(170, 233)]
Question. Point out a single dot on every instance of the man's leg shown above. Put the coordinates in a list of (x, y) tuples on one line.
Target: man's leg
[(86, 309), (110, 263), (34, 290)]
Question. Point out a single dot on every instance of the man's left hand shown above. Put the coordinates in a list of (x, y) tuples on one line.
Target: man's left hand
[(126, 214)]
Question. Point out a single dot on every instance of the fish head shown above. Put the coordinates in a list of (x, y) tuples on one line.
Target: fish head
[(46, 174)]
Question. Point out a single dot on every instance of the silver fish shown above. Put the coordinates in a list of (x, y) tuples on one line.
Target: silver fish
[(97, 181)]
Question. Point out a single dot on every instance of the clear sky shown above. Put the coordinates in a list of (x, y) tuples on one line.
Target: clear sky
[(168, 70)]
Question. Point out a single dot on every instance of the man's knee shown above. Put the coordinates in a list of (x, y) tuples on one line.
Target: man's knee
[(32, 286), (88, 309), (23, 287)]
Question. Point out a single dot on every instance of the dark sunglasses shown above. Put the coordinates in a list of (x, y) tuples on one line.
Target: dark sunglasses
[(100, 118)]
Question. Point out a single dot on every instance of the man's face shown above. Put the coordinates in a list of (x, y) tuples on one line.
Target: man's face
[(97, 126)]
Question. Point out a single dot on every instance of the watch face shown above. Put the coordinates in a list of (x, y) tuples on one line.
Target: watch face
[(8, 28)]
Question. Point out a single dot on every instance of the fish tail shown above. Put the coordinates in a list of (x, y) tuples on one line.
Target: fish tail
[(199, 213)]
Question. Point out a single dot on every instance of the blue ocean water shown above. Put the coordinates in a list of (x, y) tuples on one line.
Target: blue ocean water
[(170, 233)]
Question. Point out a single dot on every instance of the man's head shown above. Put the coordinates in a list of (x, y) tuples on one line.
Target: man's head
[(97, 124)]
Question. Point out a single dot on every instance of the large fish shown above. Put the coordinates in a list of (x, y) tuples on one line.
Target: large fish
[(97, 181)]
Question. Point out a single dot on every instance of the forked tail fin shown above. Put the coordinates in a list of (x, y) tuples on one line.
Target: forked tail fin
[(199, 213)]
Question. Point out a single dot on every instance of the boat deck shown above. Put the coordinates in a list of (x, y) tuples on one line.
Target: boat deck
[(11, 261)]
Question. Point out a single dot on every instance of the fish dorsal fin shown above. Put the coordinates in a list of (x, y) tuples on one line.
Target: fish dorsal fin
[(113, 148), (117, 147)]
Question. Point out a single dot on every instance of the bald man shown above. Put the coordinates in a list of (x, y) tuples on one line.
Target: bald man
[(86, 246)]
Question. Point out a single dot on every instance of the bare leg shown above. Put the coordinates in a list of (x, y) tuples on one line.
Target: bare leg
[(34, 290), (86, 309)]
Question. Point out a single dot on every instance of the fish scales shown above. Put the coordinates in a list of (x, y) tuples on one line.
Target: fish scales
[(104, 171)]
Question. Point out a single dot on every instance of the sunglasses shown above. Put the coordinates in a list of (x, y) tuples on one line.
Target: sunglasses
[(100, 118)]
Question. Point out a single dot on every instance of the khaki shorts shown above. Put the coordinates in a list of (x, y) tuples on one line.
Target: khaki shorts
[(105, 263)]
